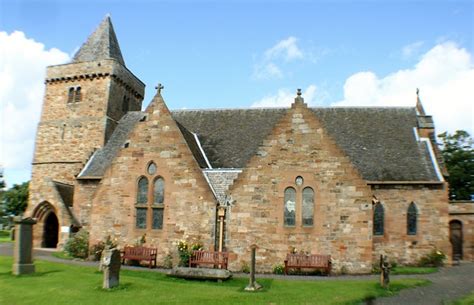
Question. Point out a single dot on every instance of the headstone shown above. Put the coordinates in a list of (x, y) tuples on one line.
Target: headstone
[(23, 250), (253, 285), (385, 267), (110, 263)]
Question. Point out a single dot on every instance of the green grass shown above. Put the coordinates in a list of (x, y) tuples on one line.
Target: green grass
[(413, 270), (62, 255), (5, 236), (55, 283), (466, 300)]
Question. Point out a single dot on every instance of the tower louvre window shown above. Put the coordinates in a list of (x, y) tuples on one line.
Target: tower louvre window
[(70, 95)]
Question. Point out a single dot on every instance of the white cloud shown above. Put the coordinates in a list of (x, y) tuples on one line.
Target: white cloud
[(285, 50), (445, 76), (412, 49), (22, 69), (284, 98)]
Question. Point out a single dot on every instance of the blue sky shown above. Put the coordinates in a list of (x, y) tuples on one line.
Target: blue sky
[(236, 54)]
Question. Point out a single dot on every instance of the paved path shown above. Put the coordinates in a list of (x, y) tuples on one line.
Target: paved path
[(447, 285)]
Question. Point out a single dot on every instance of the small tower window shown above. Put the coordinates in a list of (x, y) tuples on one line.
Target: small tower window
[(74, 95), (125, 104), (70, 95), (78, 96)]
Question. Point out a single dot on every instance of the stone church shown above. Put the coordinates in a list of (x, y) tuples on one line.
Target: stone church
[(353, 183)]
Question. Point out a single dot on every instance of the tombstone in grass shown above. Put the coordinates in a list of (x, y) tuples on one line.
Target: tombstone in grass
[(385, 268), (23, 250), (253, 285), (110, 263)]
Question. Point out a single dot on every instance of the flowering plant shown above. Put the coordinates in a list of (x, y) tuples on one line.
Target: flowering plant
[(185, 251), (434, 258)]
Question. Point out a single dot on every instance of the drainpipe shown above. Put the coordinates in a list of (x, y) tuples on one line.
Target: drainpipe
[(221, 215)]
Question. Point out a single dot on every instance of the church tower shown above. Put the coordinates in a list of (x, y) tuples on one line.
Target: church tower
[(83, 102)]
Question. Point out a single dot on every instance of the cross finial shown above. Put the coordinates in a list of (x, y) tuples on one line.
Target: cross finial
[(159, 88), (298, 92)]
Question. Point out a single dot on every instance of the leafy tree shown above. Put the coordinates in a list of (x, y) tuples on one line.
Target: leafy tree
[(458, 153), (15, 199)]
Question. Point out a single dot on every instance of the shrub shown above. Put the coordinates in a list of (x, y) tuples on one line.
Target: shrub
[(96, 250), (78, 245), (278, 269), (434, 259), (245, 268)]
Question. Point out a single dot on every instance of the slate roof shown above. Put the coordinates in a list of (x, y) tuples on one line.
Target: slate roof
[(66, 191), (102, 44), (379, 141), (102, 158)]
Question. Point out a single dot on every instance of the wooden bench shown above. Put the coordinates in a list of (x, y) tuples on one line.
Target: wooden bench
[(313, 261), (140, 254), (216, 259)]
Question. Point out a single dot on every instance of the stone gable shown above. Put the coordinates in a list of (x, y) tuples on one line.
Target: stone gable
[(189, 206), (299, 146)]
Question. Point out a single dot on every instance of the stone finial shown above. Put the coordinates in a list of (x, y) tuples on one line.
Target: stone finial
[(417, 92), (159, 87), (299, 99)]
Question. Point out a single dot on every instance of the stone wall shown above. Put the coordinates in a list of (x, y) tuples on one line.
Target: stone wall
[(463, 211), (299, 146), (432, 221), (189, 206)]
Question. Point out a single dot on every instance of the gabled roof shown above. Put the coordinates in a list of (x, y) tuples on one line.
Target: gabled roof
[(102, 44), (379, 141), (102, 158)]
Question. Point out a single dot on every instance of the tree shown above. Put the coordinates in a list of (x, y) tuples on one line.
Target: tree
[(15, 199), (458, 153)]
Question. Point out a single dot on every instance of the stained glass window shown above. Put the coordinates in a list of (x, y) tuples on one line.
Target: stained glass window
[(159, 191), (308, 206), (378, 219), (157, 219), (142, 194), (290, 206), (411, 219), (141, 218)]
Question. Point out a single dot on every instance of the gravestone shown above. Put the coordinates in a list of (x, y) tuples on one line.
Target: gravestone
[(23, 250), (253, 285), (200, 273), (110, 263), (385, 267)]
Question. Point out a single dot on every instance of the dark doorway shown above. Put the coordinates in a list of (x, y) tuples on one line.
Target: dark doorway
[(455, 236), (51, 230)]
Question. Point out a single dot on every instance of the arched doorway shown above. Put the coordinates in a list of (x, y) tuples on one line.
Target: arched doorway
[(50, 231), (456, 238)]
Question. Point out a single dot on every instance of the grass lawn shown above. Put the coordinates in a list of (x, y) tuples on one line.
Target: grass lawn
[(467, 300), (413, 270), (4, 236), (68, 284)]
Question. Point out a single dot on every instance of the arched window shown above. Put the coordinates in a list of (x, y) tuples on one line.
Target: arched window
[(412, 215), (378, 219), (142, 194), (150, 199), (70, 95), (159, 191), (290, 207), (78, 96), (125, 104), (308, 206)]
